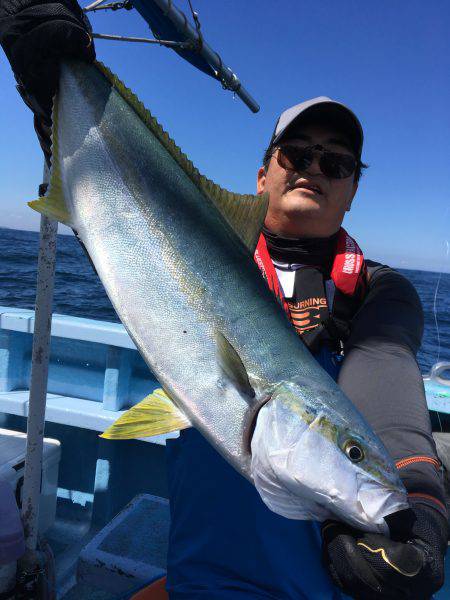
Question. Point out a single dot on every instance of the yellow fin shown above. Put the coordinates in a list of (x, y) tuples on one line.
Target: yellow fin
[(245, 213), (52, 204), (154, 415)]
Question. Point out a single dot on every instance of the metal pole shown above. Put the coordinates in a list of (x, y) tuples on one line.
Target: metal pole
[(224, 73), (38, 385)]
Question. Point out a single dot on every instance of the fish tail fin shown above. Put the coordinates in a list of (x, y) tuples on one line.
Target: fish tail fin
[(52, 204), (154, 415)]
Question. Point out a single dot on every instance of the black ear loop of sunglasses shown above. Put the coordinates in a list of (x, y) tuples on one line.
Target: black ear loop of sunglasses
[(332, 164)]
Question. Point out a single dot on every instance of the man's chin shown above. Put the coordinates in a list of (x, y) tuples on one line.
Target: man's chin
[(304, 217), (296, 204)]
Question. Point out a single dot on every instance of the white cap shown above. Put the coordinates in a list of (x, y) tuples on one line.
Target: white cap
[(338, 113)]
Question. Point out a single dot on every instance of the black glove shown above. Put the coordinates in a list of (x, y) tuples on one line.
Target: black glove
[(370, 566), (35, 34)]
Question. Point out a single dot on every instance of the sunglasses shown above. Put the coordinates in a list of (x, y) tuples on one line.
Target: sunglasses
[(332, 164)]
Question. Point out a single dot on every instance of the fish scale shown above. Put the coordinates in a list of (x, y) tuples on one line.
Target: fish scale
[(173, 251)]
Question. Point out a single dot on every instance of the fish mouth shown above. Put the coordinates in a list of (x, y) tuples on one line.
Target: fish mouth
[(377, 502), (371, 503)]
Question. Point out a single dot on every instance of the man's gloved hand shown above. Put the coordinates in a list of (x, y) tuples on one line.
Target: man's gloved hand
[(35, 34), (370, 566)]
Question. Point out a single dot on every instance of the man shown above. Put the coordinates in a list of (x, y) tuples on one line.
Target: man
[(361, 320)]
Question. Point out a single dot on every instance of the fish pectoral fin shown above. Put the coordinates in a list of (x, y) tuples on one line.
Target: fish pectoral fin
[(52, 204), (154, 415), (232, 365)]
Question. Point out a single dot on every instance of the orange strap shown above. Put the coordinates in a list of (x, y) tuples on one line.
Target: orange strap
[(429, 497), (405, 462)]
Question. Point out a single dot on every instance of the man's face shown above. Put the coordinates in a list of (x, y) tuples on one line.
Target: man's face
[(296, 210)]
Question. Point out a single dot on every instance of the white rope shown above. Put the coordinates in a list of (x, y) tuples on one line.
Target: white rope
[(124, 38), (93, 5)]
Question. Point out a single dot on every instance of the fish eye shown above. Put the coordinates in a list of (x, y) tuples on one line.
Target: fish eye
[(353, 451)]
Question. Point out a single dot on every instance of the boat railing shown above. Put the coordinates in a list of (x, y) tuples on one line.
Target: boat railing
[(95, 371)]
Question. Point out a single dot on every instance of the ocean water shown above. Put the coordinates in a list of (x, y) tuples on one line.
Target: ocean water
[(78, 291)]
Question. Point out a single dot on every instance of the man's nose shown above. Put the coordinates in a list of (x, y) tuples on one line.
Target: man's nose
[(314, 167)]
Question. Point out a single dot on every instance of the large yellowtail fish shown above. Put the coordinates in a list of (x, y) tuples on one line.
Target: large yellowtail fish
[(174, 252)]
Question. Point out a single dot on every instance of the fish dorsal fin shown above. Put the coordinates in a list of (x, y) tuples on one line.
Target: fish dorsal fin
[(154, 415), (245, 213), (52, 204), (232, 365)]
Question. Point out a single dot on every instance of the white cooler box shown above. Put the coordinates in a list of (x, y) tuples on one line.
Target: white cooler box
[(12, 466)]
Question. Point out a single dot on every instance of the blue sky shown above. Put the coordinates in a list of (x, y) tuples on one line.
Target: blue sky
[(389, 61)]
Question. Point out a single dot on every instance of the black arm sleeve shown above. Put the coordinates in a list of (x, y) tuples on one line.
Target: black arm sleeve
[(36, 35), (381, 376)]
